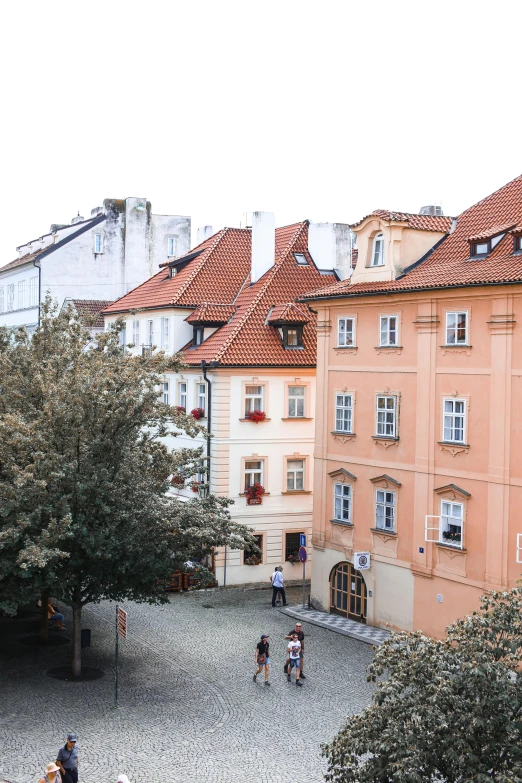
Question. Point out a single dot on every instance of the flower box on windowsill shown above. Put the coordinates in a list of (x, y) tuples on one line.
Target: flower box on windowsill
[(255, 422), (252, 561), (198, 413)]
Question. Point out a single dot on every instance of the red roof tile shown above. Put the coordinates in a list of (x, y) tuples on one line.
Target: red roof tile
[(449, 263), (288, 313), (419, 222), (211, 314), (22, 260), (87, 308)]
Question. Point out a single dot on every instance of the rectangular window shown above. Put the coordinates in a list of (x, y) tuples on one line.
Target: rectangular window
[(198, 336), (22, 291), (164, 332), (388, 331), (457, 328), (98, 243), (201, 390), (343, 502), (253, 399), (295, 475), (346, 332), (171, 247), (150, 333), (343, 412), (33, 291), (254, 470), (183, 395), (292, 546), (385, 510), (387, 417), (123, 337), (251, 557), (165, 389), (136, 333), (293, 337), (296, 402), (452, 515), (10, 297), (454, 428)]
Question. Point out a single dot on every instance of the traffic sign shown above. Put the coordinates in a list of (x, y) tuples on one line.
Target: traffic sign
[(122, 623), (302, 554), (302, 539)]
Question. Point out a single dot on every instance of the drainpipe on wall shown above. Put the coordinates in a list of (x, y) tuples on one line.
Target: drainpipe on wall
[(39, 288), (204, 367)]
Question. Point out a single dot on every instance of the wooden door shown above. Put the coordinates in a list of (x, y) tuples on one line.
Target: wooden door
[(348, 593)]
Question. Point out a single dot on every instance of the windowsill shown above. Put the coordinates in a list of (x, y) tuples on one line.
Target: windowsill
[(388, 348), (346, 348), (297, 492), (450, 546), (381, 531), (456, 345), (296, 418), (341, 522), (453, 443), (385, 437), (244, 494), (455, 348), (343, 432), (256, 422), (293, 347)]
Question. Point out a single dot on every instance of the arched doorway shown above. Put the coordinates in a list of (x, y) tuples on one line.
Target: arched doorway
[(348, 592)]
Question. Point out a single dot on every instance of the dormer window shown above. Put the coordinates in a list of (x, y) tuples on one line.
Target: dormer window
[(301, 259), (484, 247), (199, 335), (517, 246), (293, 337), (378, 250)]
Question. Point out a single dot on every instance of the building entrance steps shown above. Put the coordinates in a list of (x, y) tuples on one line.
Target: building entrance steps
[(364, 633)]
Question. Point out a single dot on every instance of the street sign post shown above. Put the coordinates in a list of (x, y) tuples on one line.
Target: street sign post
[(302, 539), (302, 558), (121, 631)]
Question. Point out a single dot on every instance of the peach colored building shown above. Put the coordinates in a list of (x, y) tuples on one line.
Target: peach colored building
[(418, 456)]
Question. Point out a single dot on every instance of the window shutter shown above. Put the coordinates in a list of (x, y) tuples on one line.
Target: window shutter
[(432, 528)]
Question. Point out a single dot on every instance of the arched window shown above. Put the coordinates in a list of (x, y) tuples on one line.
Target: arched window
[(378, 250)]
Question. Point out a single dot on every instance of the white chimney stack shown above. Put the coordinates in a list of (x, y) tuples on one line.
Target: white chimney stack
[(330, 247), (263, 243), (204, 232)]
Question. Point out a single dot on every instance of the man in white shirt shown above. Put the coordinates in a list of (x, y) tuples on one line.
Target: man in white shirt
[(294, 654), (278, 585)]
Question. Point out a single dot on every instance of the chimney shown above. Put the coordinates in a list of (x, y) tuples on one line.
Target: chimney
[(204, 232), (330, 247), (77, 219), (263, 243), (96, 211)]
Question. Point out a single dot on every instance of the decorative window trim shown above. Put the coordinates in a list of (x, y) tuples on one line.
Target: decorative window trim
[(389, 346), (451, 493), (197, 382), (264, 472), (353, 344), (307, 402), (377, 501), (384, 437), (345, 393), (255, 382), (179, 394), (454, 398), (306, 474), (339, 520), (447, 346), (378, 237)]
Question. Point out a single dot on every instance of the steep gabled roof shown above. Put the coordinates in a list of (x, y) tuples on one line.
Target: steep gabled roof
[(448, 264), (207, 313), (288, 313), (418, 222)]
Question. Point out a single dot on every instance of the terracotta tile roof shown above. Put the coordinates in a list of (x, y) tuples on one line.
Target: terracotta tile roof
[(355, 256), (449, 264), (86, 308), (419, 222), (23, 260), (211, 314), (490, 232), (289, 313)]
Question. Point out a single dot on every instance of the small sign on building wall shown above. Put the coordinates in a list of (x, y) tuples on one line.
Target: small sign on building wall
[(361, 561), (254, 501)]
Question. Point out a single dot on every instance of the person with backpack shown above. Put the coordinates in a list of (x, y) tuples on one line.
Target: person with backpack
[(262, 657), (278, 585)]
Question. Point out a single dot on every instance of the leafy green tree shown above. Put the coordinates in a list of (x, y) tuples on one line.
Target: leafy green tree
[(448, 711), (84, 473)]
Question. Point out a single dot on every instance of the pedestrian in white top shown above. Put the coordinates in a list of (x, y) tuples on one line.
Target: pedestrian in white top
[(278, 585), (294, 655)]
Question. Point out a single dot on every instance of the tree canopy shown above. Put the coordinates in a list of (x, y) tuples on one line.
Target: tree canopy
[(84, 472), (448, 711)]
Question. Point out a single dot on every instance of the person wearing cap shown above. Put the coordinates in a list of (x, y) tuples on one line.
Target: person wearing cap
[(68, 759), (51, 774), (262, 657), (294, 653), (300, 636)]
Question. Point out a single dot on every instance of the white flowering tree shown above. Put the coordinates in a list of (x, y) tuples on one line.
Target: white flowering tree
[(84, 513), (448, 711)]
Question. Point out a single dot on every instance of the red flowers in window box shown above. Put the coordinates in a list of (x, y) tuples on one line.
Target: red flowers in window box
[(254, 490), (256, 416), (198, 413), (194, 486), (181, 409), (177, 481)]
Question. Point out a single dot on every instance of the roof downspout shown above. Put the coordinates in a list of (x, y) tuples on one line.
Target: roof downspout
[(39, 288), (209, 411)]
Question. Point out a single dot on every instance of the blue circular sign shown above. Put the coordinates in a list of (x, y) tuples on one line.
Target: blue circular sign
[(302, 554)]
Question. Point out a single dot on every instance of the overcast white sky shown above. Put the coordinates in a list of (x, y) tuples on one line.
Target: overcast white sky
[(320, 110)]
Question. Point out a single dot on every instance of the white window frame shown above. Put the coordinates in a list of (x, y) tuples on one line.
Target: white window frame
[(171, 247), (33, 291), (296, 399), (455, 314), (345, 335), (10, 297), (182, 394), (378, 253), (386, 331), (386, 500), (165, 332), (98, 243), (150, 332), (295, 475), (136, 333), (1, 298), (253, 475), (346, 405), (342, 499), (388, 418), (451, 417), (165, 390), (251, 397), (22, 293), (201, 395), (444, 524)]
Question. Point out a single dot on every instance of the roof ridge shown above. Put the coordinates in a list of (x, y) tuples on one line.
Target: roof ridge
[(481, 201), (202, 258)]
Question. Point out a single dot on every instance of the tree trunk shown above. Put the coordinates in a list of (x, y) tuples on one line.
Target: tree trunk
[(44, 620), (77, 647)]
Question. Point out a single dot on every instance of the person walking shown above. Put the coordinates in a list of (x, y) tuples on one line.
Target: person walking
[(51, 774), (262, 657), (68, 759), (294, 654), (123, 779), (300, 636), (278, 585)]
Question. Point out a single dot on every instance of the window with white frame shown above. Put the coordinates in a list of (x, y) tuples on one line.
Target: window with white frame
[(346, 332), (343, 502), (296, 402), (454, 424), (253, 399), (123, 336), (343, 412), (378, 250), (295, 469), (33, 291), (182, 394), (165, 332), (386, 416), (10, 297), (150, 332), (451, 522), (201, 392), (457, 328), (385, 510), (254, 470), (171, 247), (22, 292), (388, 330), (165, 391), (2, 305), (98, 243), (136, 333)]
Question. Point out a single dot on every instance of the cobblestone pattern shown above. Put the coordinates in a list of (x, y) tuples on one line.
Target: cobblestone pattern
[(188, 706), (365, 633)]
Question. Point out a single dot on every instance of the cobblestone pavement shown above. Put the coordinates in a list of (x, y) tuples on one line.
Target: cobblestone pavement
[(365, 633), (188, 706)]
